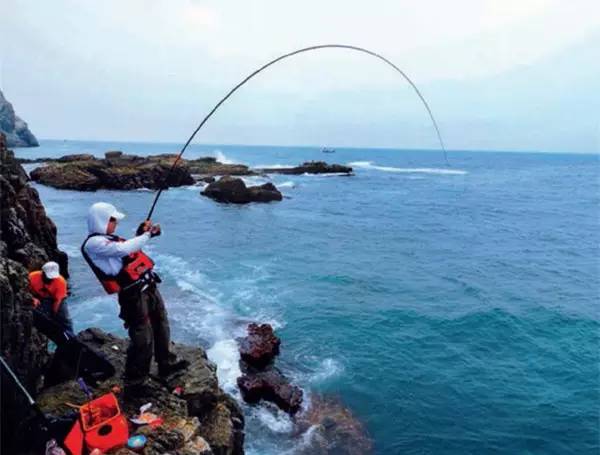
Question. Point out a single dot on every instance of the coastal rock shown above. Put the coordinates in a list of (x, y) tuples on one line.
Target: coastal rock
[(334, 429), (116, 171), (233, 190), (272, 386), (201, 409), (27, 238), (310, 167), (260, 347), (210, 167), (16, 130), (29, 235)]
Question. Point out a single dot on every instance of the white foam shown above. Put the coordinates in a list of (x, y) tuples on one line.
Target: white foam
[(275, 419), (407, 170), (220, 156), (288, 184), (327, 369), (225, 354)]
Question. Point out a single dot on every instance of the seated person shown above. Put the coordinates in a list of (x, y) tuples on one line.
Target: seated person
[(49, 290)]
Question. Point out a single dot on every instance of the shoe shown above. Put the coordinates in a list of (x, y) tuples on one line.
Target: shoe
[(172, 367)]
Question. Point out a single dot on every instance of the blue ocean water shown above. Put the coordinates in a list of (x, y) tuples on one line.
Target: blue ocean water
[(453, 310)]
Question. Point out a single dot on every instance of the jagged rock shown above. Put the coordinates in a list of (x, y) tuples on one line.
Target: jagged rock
[(260, 347), (219, 420), (272, 386), (336, 430), (24, 229), (24, 226), (233, 190), (116, 171), (74, 157), (310, 167), (210, 167), (16, 130)]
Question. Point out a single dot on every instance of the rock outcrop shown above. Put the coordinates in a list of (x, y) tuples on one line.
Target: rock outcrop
[(334, 429), (27, 240), (260, 379), (193, 406), (260, 347), (16, 130), (210, 167), (116, 171), (233, 190), (309, 167)]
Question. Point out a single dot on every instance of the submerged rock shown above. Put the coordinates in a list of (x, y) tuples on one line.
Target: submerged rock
[(233, 190), (260, 347), (272, 386), (116, 171), (310, 167), (201, 409), (332, 428), (16, 130)]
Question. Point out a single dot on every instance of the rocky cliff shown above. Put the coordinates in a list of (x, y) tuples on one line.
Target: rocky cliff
[(27, 239), (16, 130)]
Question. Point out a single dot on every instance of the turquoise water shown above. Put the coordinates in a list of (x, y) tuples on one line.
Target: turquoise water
[(454, 310)]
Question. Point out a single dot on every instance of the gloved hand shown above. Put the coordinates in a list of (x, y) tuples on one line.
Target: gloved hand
[(155, 230), (144, 226)]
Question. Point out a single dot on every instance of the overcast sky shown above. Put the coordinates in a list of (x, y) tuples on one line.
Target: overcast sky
[(506, 74)]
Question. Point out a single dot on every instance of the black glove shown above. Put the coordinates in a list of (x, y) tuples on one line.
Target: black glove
[(141, 228)]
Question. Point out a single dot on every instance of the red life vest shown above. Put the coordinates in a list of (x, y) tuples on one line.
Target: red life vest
[(137, 268)]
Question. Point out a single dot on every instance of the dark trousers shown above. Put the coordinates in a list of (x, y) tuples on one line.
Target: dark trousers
[(61, 317), (146, 319)]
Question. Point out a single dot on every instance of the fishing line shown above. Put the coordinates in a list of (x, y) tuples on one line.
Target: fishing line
[(272, 62)]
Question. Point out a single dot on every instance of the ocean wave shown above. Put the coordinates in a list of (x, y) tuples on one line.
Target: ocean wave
[(288, 184), (220, 156), (407, 170), (275, 419), (226, 355)]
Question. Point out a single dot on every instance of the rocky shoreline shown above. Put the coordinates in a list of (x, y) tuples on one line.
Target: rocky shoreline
[(15, 129), (120, 171), (27, 240), (199, 418)]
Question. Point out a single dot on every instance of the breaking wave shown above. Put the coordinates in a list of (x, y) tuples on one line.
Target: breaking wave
[(406, 170)]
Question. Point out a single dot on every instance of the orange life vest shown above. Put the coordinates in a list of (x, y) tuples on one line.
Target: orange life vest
[(137, 268)]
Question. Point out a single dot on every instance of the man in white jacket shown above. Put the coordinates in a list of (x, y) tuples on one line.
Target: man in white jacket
[(121, 266)]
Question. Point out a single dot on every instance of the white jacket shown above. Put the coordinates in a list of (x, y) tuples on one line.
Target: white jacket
[(106, 254)]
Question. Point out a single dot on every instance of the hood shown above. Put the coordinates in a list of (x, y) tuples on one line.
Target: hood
[(99, 215)]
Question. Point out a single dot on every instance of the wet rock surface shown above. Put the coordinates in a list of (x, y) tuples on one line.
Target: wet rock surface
[(260, 379), (233, 190), (310, 167), (332, 429), (202, 410), (260, 347), (116, 171)]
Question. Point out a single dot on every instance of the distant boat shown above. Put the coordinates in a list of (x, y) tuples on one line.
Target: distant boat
[(326, 150)]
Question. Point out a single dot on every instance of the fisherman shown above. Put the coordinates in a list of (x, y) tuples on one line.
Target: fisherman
[(121, 266), (49, 291)]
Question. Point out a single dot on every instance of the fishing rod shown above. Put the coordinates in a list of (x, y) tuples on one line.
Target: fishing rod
[(278, 59)]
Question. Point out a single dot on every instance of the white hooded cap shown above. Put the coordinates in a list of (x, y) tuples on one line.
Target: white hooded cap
[(51, 270), (99, 215)]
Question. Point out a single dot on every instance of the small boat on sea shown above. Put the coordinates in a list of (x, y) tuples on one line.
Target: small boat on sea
[(326, 150)]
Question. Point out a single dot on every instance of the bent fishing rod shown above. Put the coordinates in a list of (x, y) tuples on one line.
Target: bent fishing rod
[(278, 59)]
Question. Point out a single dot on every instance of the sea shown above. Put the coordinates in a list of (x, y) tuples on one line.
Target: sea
[(453, 309)]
